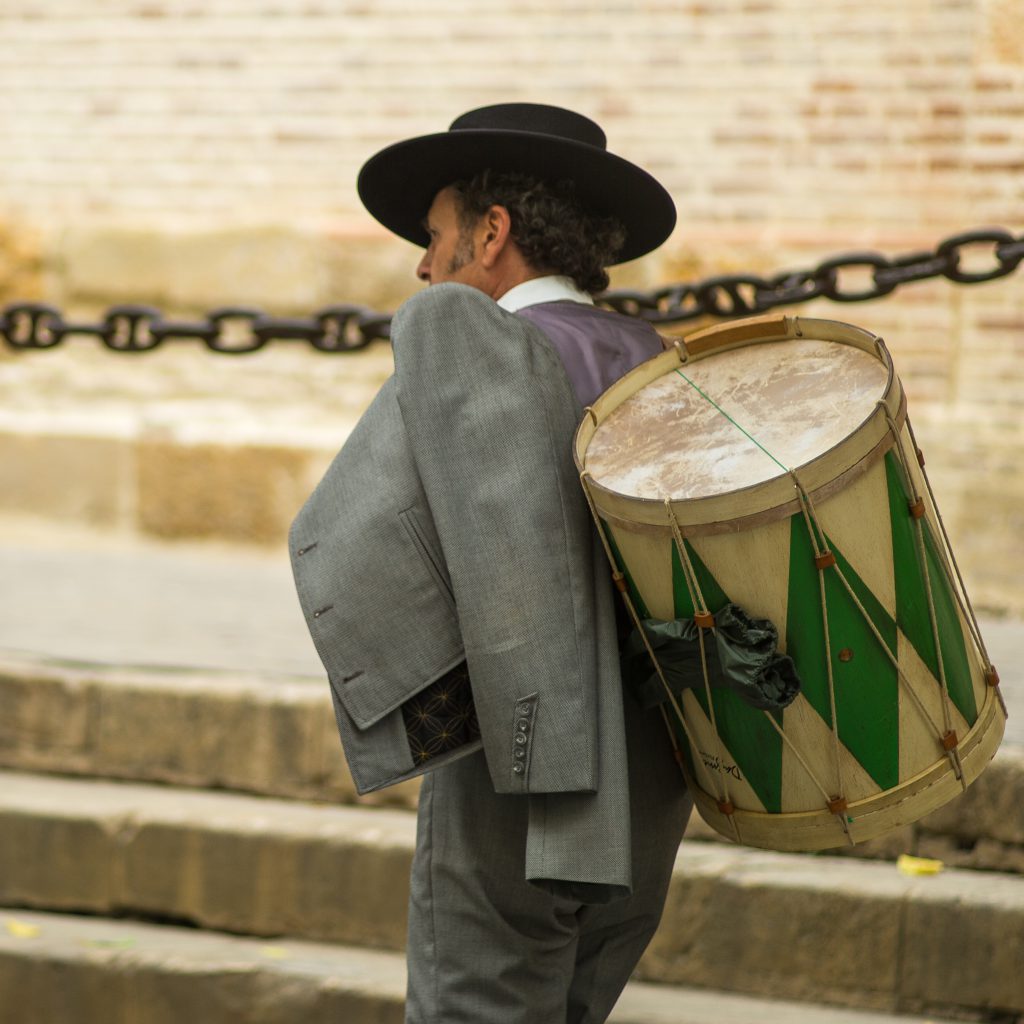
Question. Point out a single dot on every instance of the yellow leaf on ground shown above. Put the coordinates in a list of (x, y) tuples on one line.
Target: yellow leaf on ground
[(918, 865), (275, 952), (21, 929)]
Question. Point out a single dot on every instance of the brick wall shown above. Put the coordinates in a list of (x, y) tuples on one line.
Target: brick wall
[(849, 117), (194, 153)]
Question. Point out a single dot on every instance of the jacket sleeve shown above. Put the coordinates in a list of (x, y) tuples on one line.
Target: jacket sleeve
[(490, 415)]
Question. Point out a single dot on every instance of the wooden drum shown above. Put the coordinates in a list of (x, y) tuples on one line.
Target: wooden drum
[(770, 463)]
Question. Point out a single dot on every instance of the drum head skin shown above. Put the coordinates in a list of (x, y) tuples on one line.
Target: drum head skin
[(734, 421)]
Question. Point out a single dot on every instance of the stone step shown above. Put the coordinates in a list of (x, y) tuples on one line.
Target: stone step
[(269, 734), (244, 864), (818, 929), (275, 736), (88, 970)]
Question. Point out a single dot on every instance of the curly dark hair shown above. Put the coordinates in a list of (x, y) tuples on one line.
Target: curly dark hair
[(554, 231)]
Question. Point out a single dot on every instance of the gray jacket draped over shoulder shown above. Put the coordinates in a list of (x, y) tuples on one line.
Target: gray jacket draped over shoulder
[(452, 527)]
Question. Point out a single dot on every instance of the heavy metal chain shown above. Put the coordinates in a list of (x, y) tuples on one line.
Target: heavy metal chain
[(735, 295), (236, 330), (231, 330)]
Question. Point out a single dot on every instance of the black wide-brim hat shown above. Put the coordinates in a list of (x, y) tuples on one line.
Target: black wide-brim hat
[(399, 183)]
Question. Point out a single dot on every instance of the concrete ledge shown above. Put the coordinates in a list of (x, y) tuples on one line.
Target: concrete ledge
[(838, 930), (278, 738), (820, 929), (70, 970), (214, 730), (241, 864), (73, 970)]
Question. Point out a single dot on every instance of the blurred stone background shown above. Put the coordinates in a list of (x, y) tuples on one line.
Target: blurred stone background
[(191, 155)]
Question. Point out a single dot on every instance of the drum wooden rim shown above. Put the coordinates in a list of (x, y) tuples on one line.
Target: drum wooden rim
[(768, 500), (873, 816)]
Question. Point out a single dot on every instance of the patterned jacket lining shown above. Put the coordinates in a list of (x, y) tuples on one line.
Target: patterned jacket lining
[(441, 717)]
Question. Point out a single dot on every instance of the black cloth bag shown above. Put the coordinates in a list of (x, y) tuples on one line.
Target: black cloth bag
[(742, 656)]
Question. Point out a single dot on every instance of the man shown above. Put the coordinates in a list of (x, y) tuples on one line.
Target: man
[(456, 589)]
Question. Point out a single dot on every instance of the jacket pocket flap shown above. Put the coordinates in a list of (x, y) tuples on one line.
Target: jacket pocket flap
[(368, 697)]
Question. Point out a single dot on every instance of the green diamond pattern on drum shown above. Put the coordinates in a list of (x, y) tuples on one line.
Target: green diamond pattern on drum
[(912, 598), (745, 731), (634, 593), (714, 597), (865, 679), (641, 609)]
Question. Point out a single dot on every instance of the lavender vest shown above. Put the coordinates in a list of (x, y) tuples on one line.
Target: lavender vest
[(595, 345)]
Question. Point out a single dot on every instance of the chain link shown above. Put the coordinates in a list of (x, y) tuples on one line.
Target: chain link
[(237, 330)]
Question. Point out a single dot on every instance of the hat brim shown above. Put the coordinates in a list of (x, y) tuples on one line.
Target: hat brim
[(399, 183)]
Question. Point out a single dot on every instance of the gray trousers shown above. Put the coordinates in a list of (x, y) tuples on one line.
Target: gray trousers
[(486, 946)]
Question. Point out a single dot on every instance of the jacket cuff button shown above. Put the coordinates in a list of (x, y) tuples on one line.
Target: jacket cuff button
[(518, 769)]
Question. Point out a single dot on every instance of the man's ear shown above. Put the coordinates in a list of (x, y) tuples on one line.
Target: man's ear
[(495, 232)]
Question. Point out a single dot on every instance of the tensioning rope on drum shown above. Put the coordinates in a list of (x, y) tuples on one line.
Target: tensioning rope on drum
[(915, 504), (824, 558), (836, 802), (953, 569), (704, 620), (619, 578), (948, 740), (621, 584), (909, 689)]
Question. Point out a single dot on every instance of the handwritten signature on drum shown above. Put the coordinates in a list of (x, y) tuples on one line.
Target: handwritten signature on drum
[(713, 762)]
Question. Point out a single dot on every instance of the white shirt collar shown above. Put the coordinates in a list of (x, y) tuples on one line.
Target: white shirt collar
[(553, 288)]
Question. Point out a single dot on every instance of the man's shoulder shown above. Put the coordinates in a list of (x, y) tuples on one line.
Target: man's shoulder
[(455, 325), (447, 300), (463, 317)]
